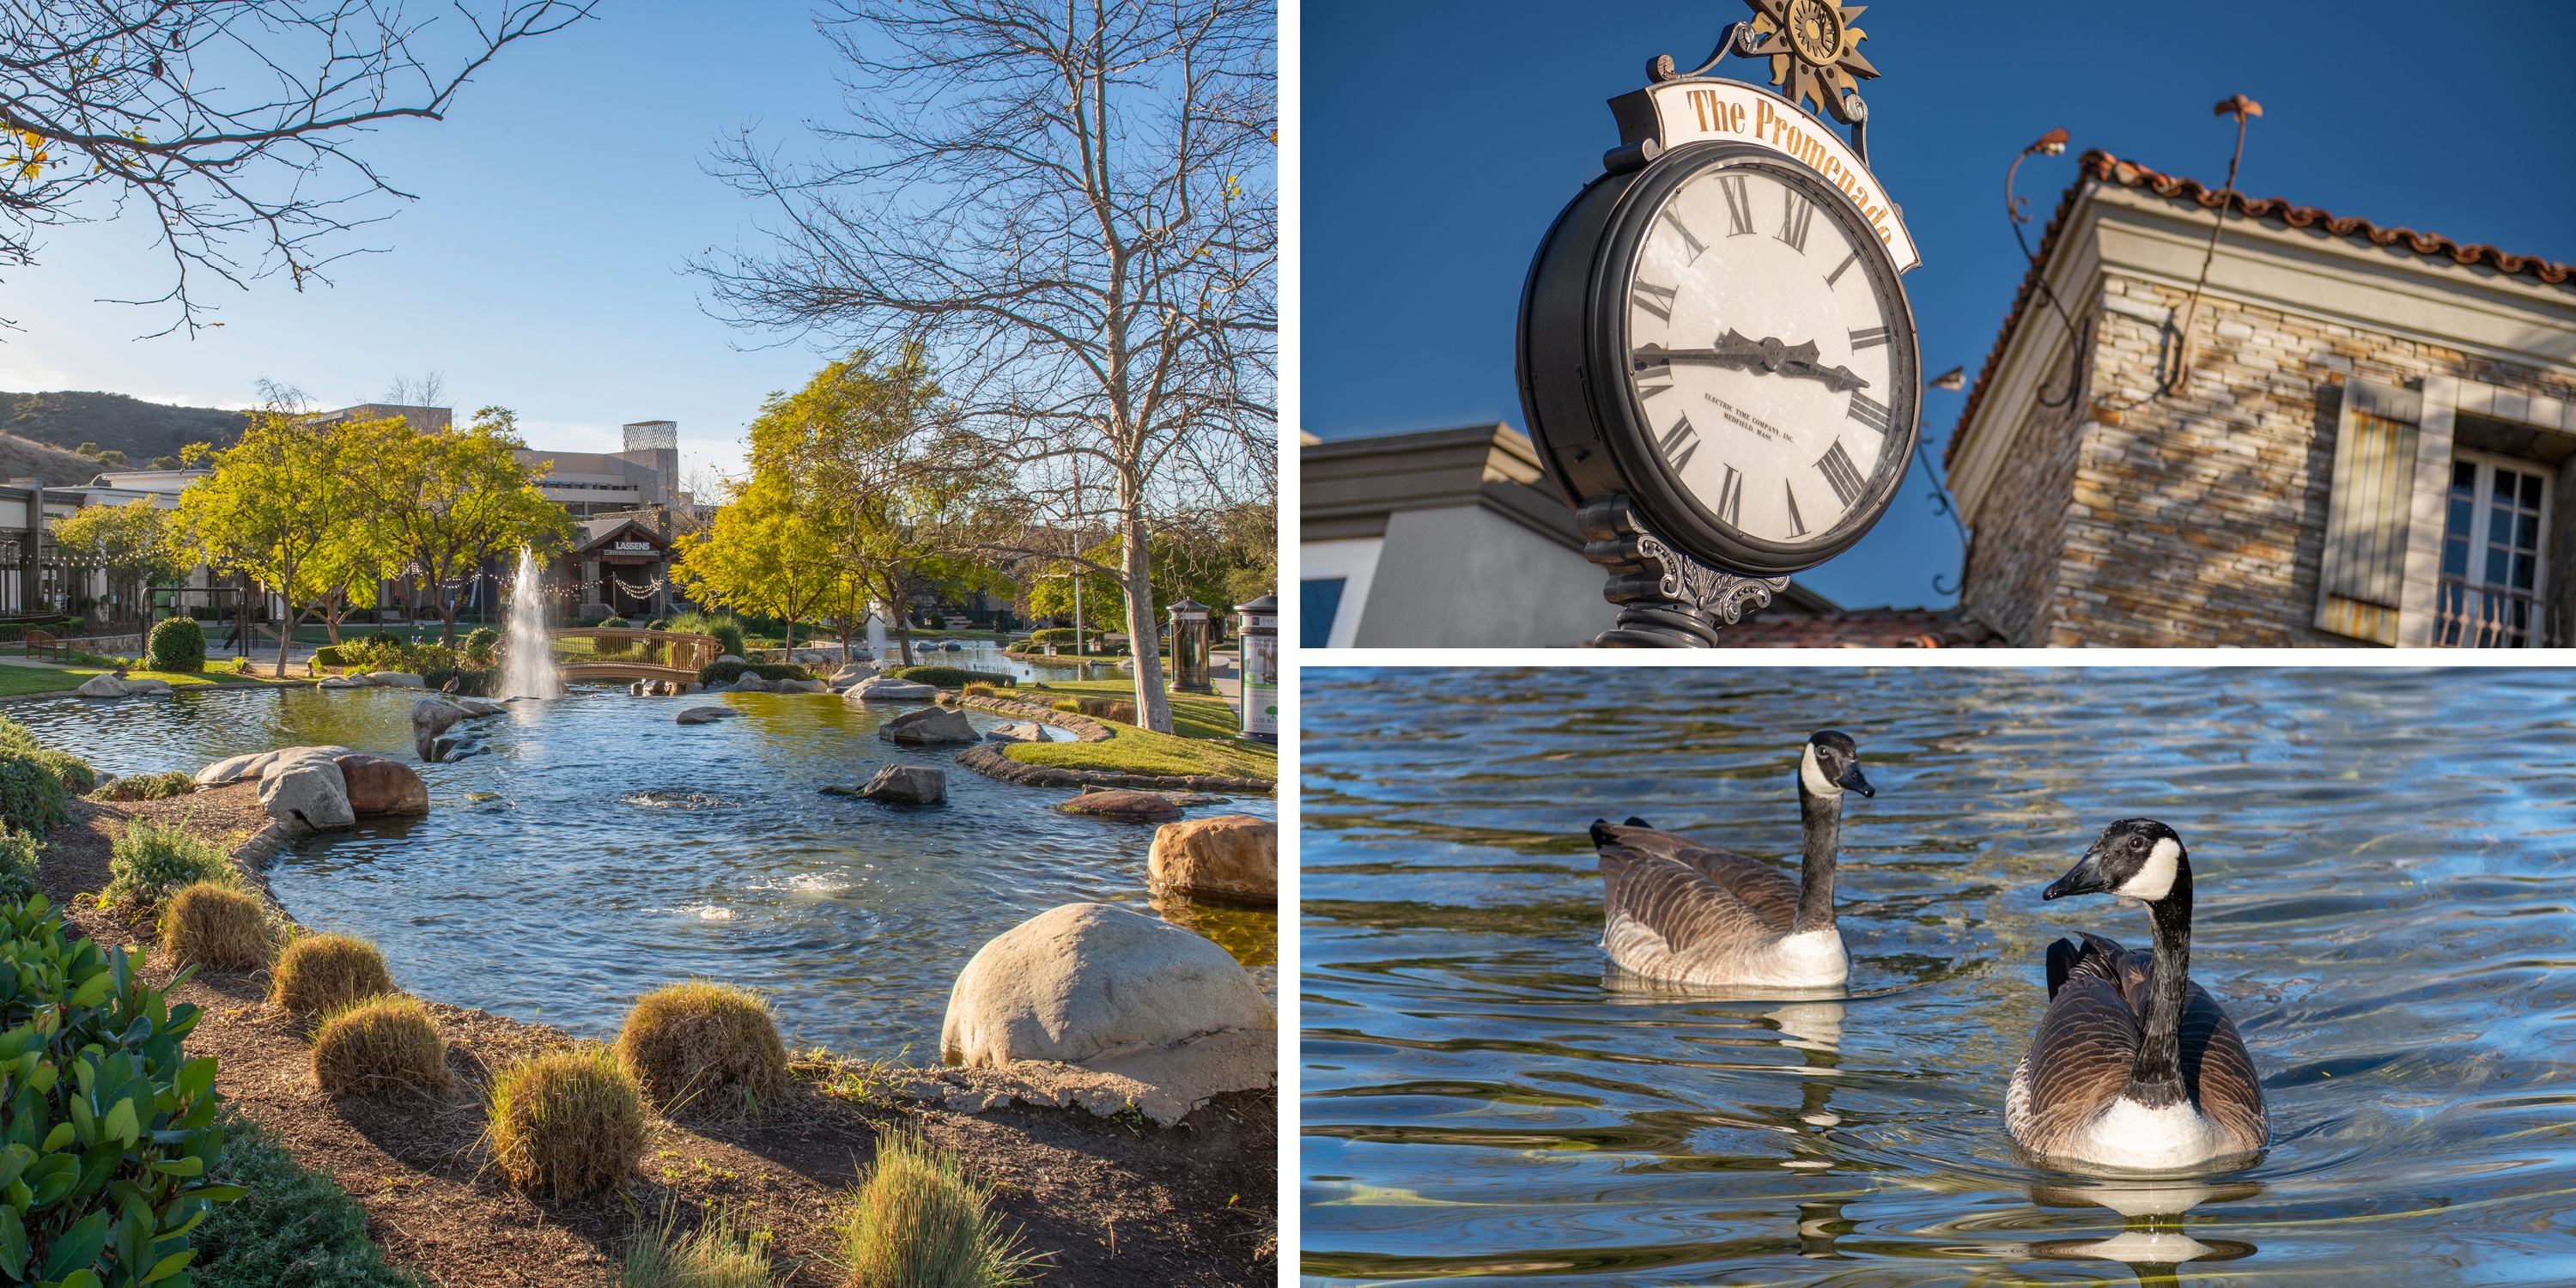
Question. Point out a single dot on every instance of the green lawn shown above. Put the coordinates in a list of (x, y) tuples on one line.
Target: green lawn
[(18, 680), (1202, 740)]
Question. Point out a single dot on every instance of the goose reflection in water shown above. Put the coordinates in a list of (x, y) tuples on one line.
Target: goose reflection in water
[(2153, 1242)]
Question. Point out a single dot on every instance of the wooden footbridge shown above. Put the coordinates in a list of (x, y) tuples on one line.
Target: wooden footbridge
[(637, 655)]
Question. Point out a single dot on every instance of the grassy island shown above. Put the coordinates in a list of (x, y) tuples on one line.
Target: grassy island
[(1202, 741)]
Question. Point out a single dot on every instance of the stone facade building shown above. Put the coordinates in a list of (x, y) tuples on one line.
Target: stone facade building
[(2366, 436)]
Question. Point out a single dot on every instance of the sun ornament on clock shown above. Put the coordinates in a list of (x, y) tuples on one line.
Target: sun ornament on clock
[(1814, 50)]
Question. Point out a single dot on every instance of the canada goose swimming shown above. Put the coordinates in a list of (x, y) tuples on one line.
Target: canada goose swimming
[(1694, 914), (2134, 1066)]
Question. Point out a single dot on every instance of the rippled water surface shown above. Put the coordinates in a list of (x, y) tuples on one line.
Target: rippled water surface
[(600, 850), (2384, 863)]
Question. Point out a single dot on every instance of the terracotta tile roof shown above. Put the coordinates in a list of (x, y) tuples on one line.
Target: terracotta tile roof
[(2098, 165), (1865, 628)]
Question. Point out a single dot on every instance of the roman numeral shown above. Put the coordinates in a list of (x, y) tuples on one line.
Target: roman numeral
[(1739, 205), (1840, 269), (1868, 411), (1730, 498), (1697, 247), (1654, 380), (1654, 299), (1838, 471), (1868, 337), (1683, 438), (1797, 526), (1794, 214)]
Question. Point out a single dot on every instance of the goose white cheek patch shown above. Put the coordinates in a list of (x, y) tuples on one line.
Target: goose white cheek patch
[(1813, 775), (2156, 879)]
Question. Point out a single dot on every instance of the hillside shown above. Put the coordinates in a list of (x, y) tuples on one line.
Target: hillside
[(116, 422), (22, 458)]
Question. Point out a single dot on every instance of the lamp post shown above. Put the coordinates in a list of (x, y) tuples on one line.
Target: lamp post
[(1190, 647), (1259, 718)]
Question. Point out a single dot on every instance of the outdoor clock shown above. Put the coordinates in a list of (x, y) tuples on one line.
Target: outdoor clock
[(1716, 354)]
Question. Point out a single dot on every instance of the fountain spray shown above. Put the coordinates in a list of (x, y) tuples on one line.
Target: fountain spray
[(529, 669)]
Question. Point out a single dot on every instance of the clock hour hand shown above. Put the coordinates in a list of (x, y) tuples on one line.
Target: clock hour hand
[(1736, 350)]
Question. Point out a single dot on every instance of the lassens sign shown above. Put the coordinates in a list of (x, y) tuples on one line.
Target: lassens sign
[(1695, 111)]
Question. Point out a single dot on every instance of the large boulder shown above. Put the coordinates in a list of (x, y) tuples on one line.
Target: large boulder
[(250, 768), (750, 683), (853, 672), (703, 715), (885, 688), (908, 785), (396, 680), (109, 686), (303, 788), (1032, 731), (340, 682), (376, 785), (1123, 805), (456, 744), (1099, 986), (728, 657), (1231, 856), (930, 726), (800, 686), (431, 717), (477, 707)]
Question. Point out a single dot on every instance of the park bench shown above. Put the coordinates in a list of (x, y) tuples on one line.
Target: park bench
[(43, 644)]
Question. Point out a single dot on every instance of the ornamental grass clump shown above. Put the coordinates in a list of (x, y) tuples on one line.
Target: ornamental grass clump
[(152, 862), (379, 1044), (716, 1255), (708, 1047), (318, 973), (220, 927), (568, 1123), (919, 1223), (112, 1127), (145, 787)]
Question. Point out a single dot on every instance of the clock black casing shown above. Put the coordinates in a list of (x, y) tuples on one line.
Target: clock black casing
[(1572, 361)]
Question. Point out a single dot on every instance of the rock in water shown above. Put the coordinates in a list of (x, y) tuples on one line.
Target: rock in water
[(397, 680), (108, 686), (852, 673), (800, 686), (379, 786), (453, 745), (926, 727), (1090, 980), (249, 769), (1231, 856), (888, 689), (303, 787), (477, 707), (341, 682), (431, 717), (703, 715), (750, 683), (1125, 806), (908, 785), (1029, 732)]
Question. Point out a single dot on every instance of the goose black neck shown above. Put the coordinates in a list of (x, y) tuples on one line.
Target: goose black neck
[(2156, 1079), (1822, 820)]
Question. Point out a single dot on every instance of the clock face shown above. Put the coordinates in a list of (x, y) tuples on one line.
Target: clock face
[(1770, 355)]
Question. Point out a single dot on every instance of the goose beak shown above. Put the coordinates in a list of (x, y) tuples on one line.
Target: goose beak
[(2084, 878), (1851, 781)]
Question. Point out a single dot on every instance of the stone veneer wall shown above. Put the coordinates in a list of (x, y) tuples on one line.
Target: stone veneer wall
[(2196, 520)]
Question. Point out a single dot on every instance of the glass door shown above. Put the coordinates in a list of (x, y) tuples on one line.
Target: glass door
[(2492, 537)]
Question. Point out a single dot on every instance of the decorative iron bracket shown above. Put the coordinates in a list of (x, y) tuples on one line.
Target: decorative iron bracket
[(1743, 41), (1666, 598)]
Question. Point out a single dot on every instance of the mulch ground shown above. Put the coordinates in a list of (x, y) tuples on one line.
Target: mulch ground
[(1112, 1201)]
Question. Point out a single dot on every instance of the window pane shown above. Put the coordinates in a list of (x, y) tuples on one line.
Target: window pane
[(2527, 534), (2531, 491), (2495, 565), (1317, 601), (2523, 568), (2464, 477)]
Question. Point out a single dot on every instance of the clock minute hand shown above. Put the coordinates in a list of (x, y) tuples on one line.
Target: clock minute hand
[(1766, 354)]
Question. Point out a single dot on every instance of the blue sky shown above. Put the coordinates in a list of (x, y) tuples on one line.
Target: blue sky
[(540, 269), (1439, 139)]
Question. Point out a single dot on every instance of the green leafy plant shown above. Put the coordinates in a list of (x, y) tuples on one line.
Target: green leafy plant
[(178, 644), (75, 773), (33, 797), (334, 655), (17, 866), (151, 862), (111, 1127), (480, 641), (296, 1229), (950, 677)]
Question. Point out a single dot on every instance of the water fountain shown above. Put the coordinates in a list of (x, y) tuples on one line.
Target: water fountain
[(876, 633), (528, 669)]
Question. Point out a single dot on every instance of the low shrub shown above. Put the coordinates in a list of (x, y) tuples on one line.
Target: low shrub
[(217, 926), (294, 1229), (986, 691), (951, 677), (17, 866), (32, 795), (728, 633), (569, 1122), (379, 1044), (178, 644), (112, 1127), (334, 655), (152, 862), (715, 1256), (76, 775), (145, 787), (318, 973), (715, 673), (1100, 709), (614, 624), (480, 682), (708, 1046), (480, 641), (919, 1223), (1055, 635)]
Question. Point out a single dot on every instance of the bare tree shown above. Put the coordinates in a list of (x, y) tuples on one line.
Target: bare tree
[(1071, 206), (428, 389), (229, 120)]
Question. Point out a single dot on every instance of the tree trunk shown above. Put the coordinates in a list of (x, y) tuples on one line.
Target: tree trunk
[(285, 629), (1153, 706)]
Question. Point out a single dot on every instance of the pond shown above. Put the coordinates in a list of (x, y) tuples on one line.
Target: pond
[(599, 851), (2382, 863)]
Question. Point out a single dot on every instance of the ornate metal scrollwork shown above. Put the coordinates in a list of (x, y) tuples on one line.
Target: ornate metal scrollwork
[(1666, 598)]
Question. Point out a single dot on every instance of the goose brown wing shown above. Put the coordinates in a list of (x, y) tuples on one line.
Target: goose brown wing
[(2219, 1071), (1767, 891), (2087, 1040)]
